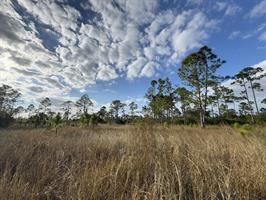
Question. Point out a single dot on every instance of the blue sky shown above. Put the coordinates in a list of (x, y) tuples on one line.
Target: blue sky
[(112, 49)]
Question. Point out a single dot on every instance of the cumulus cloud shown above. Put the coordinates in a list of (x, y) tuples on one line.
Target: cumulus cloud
[(149, 69), (106, 73), (190, 31), (135, 67), (51, 48)]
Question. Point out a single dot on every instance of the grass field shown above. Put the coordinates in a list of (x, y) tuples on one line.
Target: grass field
[(133, 162)]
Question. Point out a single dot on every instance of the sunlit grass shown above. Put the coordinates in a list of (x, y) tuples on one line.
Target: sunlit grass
[(133, 162)]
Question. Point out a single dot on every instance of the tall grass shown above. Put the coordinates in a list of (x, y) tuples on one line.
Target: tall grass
[(133, 162)]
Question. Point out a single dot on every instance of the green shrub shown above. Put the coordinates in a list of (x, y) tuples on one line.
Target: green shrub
[(246, 127), (85, 119), (93, 120), (243, 129), (236, 125)]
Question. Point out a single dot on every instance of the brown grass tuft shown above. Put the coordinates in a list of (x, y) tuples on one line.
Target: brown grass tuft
[(133, 162)]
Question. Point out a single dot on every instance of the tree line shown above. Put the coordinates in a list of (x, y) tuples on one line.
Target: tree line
[(202, 98)]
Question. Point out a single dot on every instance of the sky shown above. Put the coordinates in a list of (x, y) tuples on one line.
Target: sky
[(112, 49)]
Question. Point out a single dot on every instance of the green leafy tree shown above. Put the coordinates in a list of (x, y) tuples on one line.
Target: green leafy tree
[(222, 96), (184, 97), (45, 105), (198, 71), (161, 99), (9, 97), (19, 110), (117, 106), (244, 108), (84, 103), (132, 107), (103, 113), (251, 75), (30, 110), (66, 107), (93, 120), (150, 96), (57, 121), (241, 79), (146, 111)]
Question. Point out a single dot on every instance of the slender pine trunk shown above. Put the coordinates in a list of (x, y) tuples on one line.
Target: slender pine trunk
[(234, 107), (249, 103), (212, 111), (218, 106), (206, 88), (254, 97), (201, 110), (203, 114)]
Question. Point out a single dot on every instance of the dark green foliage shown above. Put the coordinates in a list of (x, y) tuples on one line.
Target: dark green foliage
[(133, 107), (84, 103), (84, 119), (93, 120), (162, 100), (8, 100), (57, 120), (198, 72), (102, 114), (5, 119), (117, 106)]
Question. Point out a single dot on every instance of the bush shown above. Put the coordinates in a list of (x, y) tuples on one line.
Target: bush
[(85, 119), (246, 127), (261, 118), (93, 120), (5, 119), (243, 129), (236, 125)]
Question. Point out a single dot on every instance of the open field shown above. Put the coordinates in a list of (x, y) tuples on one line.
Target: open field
[(133, 162)]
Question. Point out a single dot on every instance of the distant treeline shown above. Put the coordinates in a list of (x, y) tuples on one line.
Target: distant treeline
[(202, 99)]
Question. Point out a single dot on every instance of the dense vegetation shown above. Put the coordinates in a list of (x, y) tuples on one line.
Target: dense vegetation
[(203, 99)]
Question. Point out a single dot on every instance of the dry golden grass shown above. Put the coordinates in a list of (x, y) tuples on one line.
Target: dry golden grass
[(133, 162)]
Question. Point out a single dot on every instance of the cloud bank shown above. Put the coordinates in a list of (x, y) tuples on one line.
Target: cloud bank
[(50, 47)]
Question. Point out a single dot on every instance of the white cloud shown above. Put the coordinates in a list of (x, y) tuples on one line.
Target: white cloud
[(234, 34), (255, 32), (232, 10), (221, 6), (134, 68), (229, 9), (193, 34), (258, 10), (149, 69), (124, 39), (262, 37), (106, 73)]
